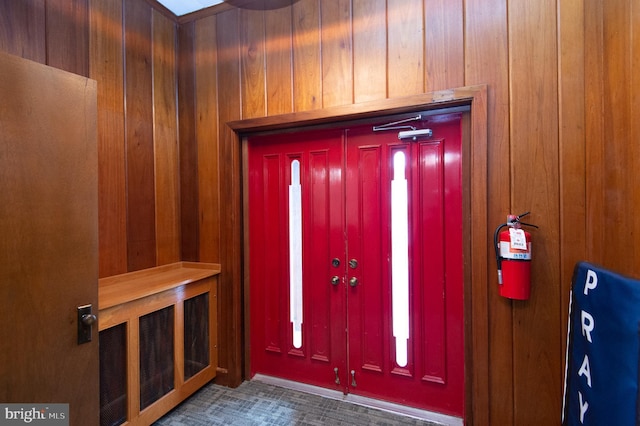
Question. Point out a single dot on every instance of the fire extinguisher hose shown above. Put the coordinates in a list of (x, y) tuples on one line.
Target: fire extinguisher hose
[(497, 248)]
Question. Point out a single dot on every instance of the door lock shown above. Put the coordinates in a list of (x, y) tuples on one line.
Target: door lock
[(86, 319), (353, 264), (335, 262)]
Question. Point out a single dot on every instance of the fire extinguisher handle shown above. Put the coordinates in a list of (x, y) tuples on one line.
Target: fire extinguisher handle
[(528, 224), (520, 216)]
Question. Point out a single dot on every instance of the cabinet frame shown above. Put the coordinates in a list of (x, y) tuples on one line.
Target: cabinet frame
[(127, 297)]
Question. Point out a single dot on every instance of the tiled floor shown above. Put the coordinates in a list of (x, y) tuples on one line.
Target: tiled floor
[(257, 403)]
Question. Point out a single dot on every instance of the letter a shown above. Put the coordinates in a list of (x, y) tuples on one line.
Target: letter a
[(591, 282), (585, 370), (584, 406), (587, 324)]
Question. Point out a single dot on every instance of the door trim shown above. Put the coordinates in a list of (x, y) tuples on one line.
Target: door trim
[(475, 226)]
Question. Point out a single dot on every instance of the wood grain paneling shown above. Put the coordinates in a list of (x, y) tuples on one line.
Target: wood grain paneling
[(444, 44), (610, 98), (369, 50), (405, 37), (534, 187), (337, 53), (573, 226), (278, 60), (594, 129), (228, 74), (132, 51), (207, 140), (189, 210), (633, 200), (488, 63), (139, 137), (617, 115), (67, 25), (252, 40), (23, 30), (165, 140), (106, 66), (307, 65)]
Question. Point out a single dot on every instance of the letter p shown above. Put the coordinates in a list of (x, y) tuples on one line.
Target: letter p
[(591, 282)]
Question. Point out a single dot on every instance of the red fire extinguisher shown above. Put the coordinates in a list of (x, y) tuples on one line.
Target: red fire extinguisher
[(513, 255)]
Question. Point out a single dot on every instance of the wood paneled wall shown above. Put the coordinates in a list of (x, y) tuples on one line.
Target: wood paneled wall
[(129, 47), (134, 54), (563, 86)]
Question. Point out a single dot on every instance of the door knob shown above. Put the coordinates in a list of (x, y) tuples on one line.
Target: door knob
[(86, 319), (353, 282), (335, 280)]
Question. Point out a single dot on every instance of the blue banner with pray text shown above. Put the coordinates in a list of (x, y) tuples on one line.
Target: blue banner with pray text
[(601, 377)]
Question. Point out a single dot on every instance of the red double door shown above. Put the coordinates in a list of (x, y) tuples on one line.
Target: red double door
[(355, 260)]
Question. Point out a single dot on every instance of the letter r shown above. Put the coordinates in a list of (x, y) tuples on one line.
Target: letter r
[(587, 324)]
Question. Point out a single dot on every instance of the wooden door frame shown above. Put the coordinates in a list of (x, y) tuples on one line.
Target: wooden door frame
[(475, 226)]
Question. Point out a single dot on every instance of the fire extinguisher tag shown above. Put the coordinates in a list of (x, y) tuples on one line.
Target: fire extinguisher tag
[(508, 252), (518, 239)]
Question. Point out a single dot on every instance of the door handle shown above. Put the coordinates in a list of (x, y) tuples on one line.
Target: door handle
[(353, 282), (86, 319)]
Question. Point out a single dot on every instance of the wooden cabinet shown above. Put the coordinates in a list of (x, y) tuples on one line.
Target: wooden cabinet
[(158, 339)]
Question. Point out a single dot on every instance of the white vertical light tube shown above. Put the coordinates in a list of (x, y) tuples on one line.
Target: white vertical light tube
[(400, 258), (295, 253)]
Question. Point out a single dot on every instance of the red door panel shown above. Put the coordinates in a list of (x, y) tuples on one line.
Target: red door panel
[(429, 253), (323, 337), (433, 377), (365, 233)]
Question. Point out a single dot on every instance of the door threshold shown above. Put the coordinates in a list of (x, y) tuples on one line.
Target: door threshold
[(430, 416)]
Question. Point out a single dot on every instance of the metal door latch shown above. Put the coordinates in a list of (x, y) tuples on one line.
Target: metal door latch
[(85, 323)]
